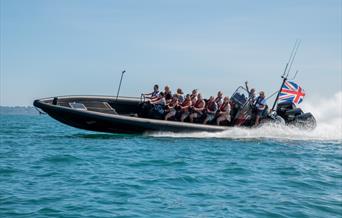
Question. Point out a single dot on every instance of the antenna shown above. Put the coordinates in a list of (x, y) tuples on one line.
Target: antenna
[(288, 62), (294, 77), (296, 46)]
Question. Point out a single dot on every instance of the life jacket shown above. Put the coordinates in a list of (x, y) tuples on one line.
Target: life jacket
[(259, 100), (212, 106), (193, 97), (186, 103), (173, 103), (198, 103), (258, 103), (180, 97), (223, 106), (218, 99)]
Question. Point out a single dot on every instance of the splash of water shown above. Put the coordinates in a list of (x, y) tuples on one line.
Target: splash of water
[(328, 113)]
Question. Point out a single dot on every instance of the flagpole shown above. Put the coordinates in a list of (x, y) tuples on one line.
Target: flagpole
[(284, 79), (276, 100)]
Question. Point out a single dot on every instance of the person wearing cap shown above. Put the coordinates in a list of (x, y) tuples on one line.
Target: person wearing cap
[(261, 106), (180, 96)]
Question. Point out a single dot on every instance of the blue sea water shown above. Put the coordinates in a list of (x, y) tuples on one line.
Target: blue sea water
[(48, 169)]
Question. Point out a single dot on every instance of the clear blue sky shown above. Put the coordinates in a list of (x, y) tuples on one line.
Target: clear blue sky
[(51, 48)]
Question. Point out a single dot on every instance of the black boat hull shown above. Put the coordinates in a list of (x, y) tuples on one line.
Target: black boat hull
[(107, 114), (114, 123)]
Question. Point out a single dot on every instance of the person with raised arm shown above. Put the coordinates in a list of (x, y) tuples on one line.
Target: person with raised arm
[(251, 93)]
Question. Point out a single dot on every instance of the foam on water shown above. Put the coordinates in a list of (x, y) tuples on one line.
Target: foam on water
[(328, 113)]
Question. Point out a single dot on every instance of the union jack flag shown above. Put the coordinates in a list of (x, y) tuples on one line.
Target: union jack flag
[(291, 92)]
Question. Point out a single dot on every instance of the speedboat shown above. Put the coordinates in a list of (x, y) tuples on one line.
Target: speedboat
[(126, 114), (134, 115)]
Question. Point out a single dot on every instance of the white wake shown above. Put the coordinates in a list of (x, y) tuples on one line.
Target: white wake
[(328, 113)]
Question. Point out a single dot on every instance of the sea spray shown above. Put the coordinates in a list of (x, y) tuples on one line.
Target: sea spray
[(328, 113)]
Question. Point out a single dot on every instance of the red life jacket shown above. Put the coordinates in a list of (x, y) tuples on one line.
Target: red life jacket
[(193, 97), (218, 99), (223, 106), (173, 103), (185, 103), (198, 102), (212, 106)]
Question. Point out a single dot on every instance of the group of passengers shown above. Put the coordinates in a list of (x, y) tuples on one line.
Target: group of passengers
[(192, 106)]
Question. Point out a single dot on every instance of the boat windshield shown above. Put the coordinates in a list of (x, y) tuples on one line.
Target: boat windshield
[(240, 96), (77, 106)]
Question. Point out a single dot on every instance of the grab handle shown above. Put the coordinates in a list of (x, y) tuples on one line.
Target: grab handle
[(142, 98)]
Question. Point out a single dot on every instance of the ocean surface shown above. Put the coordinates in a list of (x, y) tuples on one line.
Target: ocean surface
[(48, 169)]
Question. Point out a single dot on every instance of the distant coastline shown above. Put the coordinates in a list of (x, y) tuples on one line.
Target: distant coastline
[(18, 110)]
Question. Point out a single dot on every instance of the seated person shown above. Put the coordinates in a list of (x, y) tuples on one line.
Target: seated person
[(180, 96), (154, 94), (158, 104), (193, 96), (197, 108), (210, 110), (261, 107), (171, 108), (160, 99), (184, 108), (168, 94), (219, 98), (224, 111)]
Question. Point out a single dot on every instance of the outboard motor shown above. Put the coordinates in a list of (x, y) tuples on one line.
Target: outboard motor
[(295, 116), (305, 120)]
